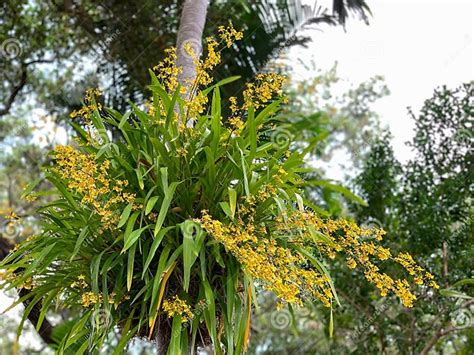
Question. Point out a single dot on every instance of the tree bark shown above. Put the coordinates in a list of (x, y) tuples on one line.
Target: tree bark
[(445, 262), (191, 27), (163, 335), (438, 335)]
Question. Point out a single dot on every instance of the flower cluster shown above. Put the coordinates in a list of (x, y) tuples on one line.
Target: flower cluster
[(12, 216), (263, 90), (419, 274), (89, 107), (257, 94), (30, 198), (237, 124), (13, 220), (80, 282), (286, 272), (279, 269), (177, 306), (10, 277), (90, 298), (229, 34), (91, 180), (347, 237), (168, 70)]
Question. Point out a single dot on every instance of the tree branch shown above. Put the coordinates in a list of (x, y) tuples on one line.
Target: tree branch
[(23, 81), (438, 335), (15, 91)]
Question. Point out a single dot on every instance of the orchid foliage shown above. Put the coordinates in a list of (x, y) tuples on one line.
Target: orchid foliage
[(172, 227)]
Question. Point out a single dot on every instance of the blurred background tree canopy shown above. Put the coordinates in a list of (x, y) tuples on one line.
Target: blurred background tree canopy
[(64, 47)]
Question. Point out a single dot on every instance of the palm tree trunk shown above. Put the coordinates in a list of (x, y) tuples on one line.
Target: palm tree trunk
[(193, 18)]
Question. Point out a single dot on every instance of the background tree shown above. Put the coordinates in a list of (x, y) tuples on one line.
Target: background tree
[(86, 41), (339, 119)]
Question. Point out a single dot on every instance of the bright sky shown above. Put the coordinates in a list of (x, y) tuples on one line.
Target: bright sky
[(416, 44)]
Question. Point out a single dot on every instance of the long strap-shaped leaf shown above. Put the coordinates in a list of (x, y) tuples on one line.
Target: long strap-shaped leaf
[(166, 276)]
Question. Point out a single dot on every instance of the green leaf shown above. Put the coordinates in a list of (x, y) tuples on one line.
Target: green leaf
[(125, 214), (175, 343), (456, 294), (252, 133), (221, 83), (300, 202), (210, 166), (124, 163), (133, 237), (190, 230), (162, 283), (463, 282), (267, 111), (164, 178), (130, 264), (125, 339), (150, 204), (243, 325), (79, 241), (162, 93), (331, 324), (141, 184), (124, 119), (130, 225), (165, 206), (38, 259), (232, 201), (45, 308), (244, 173), (171, 108), (216, 120), (210, 315), (226, 208), (64, 191), (318, 236), (338, 188), (281, 206), (163, 259), (154, 247)]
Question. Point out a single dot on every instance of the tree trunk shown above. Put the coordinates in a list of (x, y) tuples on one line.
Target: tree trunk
[(191, 27), (163, 335), (445, 263)]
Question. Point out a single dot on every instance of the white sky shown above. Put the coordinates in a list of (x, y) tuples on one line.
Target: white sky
[(416, 45)]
